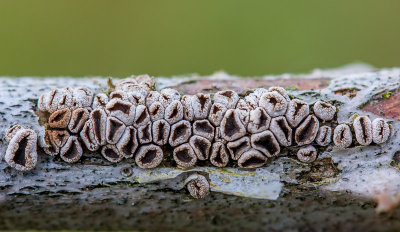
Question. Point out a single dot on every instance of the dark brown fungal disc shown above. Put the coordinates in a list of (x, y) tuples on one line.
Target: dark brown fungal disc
[(232, 127), (274, 103), (296, 112), (119, 95), (307, 154), (21, 152), (98, 118), (180, 133), (266, 143), (259, 120), (380, 131), (161, 129), (252, 159), (111, 153), (198, 186), (114, 130), (307, 131), (228, 98), (342, 136), (88, 137), (142, 116), (59, 137), (217, 113), (60, 118), (219, 155), (201, 105), (12, 131), (363, 130), (100, 100), (123, 110), (324, 136), (128, 143), (78, 118), (324, 111), (156, 111), (201, 147), (174, 112), (184, 156), (282, 131), (238, 147), (204, 129), (72, 151), (52, 148), (145, 134), (188, 113), (149, 156)]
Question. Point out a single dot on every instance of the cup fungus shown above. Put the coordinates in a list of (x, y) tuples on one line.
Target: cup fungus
[(174, 112), (228, 98), (78, 119), (184, 156), (296, 112), (128, 142), (281, 91), (98, 117), (82, 97), (380, 131), (238, 147), (259, 120), (145, 133), (201, 105), (111, 153), (100, 101), (219, 155), (252, 159), (307, 154), (114, 130), (149, 156), (88, 137), (12, 131), (266, 143), (198, 186), (60, 118), (204, 129), (232, 127), (324, 136), (167, 96), (188, 113), (201, 147), (274, 103), (281, 130), (21, 152), (156, 111), (72, 151), (180, 133), (123, 110), (342, 136), (324, 111), (161, 129), (52, 148), (307, 131), (217, 113), (363, 130)]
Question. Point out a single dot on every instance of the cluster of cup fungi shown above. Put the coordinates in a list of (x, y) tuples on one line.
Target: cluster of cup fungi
[(135, 121)]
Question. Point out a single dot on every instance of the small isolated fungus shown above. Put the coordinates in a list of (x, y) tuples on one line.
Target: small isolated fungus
[(128, 143), (167, 96), (184, 156), (144, 133), (380, 130), (259, 120), (98, 117), (201, 105), (281, 130), (198, 186), (363, 130), (324, 111), (72, 151), (296, 112), (21, 152), (274, 103), (204, 129), (123, 110), (174, 112), (281, 91), (252, 159), (324, 136), (219, 155), (307, 154), (111, 153), (217, 113), (161, 129), (201, 147), (78, 118), (149, 156), (114, 130), (156, 111), (142, 116), (307, 131), (238, 147), (342, 136), (12, 131), (232, 127), (60, 118), (188, 113), (228, 98), (266, 143), (88, 137), (180, 133), (100, 101)]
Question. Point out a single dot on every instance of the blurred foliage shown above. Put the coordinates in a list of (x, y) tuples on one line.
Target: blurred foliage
[(166, 37)]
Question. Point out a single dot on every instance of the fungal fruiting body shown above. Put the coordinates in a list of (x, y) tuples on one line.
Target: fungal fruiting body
[(134, 121)]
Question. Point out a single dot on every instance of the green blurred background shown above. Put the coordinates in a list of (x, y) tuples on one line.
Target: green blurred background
[(167, 37)]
